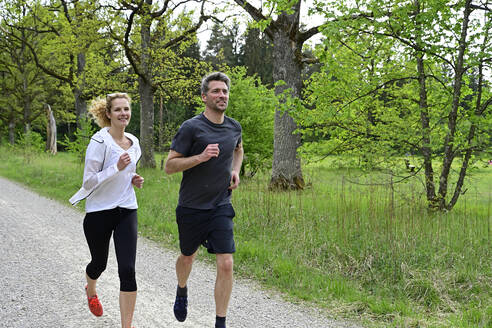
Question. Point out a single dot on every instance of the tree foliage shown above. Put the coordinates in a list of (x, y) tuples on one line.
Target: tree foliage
[(153, 36), (64, 33), (26, 89), (406, 78), (82, 137)]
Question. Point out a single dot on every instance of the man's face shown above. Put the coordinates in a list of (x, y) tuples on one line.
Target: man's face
[(217, 96)]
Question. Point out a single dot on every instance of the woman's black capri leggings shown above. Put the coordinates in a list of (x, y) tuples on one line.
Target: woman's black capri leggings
[(98, 227)]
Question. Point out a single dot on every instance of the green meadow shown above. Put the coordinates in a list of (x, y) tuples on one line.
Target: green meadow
[(359, 247)]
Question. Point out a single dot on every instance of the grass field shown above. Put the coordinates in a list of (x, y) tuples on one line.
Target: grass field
[(368, 251)]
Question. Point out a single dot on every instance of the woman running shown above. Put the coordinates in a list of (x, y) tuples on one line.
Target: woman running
[(111, 205)]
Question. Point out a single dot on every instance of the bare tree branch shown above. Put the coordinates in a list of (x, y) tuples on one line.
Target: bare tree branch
[(257, 16), (484, 106), (65, 11), (378, 88), (485, 7), (130, 54), (163, 9), (188, 33), (304, 36), (309, 60)]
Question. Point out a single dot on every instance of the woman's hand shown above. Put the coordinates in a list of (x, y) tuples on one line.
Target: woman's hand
[(137, 181)]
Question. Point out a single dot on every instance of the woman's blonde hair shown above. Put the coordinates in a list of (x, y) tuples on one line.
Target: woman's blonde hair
[(99, 107)]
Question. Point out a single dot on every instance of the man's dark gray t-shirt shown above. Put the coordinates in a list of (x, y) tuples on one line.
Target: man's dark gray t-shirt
[(205, 186)]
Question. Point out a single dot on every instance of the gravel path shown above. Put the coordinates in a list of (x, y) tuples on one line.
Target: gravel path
[(43, 256)]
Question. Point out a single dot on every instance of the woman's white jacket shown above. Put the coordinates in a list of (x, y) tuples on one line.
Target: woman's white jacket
[(104, 186)]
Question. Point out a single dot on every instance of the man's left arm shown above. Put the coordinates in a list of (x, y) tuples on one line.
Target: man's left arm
[(237, 161)]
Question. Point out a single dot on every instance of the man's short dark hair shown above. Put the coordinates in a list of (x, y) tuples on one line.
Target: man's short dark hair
[(216, 76)]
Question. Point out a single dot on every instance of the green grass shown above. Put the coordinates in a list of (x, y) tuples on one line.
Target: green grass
[(365, 251)]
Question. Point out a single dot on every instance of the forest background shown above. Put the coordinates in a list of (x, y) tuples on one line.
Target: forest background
[(387, 99)]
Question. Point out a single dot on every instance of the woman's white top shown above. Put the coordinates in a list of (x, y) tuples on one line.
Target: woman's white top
[(105, 187)]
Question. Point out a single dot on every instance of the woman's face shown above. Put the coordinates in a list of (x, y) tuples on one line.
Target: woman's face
[(120, 113)]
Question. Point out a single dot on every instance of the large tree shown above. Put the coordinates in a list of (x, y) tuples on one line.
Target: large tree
[(140, 48), (288, 37), (22, 81), (65, 32), (399, 79)]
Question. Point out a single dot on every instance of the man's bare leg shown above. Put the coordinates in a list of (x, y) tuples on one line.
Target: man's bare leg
[(223, 283)]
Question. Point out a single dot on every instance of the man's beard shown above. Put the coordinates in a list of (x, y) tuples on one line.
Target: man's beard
[(218, 109)]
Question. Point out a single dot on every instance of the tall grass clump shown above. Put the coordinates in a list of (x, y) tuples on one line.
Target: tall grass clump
[(371, 243)]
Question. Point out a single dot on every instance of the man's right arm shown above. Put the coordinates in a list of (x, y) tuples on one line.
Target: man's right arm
[(176, 162)]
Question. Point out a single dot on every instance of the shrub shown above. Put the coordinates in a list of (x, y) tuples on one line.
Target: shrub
[(30, 144), (82, 137), (253, 105)]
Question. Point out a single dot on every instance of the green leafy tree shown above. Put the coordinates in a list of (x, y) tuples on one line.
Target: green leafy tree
[(82, 137), (30, 144), (395, 81), (23, 82), (281, 23), (148, 45), (10, 114), (65, 34)]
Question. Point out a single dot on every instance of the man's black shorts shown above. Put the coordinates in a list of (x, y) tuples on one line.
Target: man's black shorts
[(210, 228)]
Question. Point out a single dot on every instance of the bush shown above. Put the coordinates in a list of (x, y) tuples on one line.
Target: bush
[(82, 138), (253, 105), (30, 144)]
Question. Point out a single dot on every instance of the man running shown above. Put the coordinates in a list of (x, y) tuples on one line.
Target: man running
[(208, 150)]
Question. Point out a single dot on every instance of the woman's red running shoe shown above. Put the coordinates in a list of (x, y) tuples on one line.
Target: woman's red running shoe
[(94, 305)]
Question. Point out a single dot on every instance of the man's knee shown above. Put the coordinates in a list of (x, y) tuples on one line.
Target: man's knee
[(186, 259), (225, 263)]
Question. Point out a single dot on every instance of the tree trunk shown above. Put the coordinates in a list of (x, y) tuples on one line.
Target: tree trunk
[(146, 98), (287, 67), (449, 151), (80, 106), (11, 132), (50, 131), (425, 122), (479, 109), (27, 102), (161, 130), (287, 37), (80, 102), (27, 123), (425, 125), (146, 123)]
